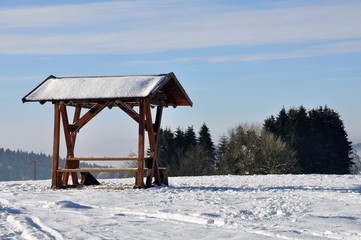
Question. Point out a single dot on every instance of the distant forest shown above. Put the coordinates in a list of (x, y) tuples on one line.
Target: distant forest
[(19, 165)]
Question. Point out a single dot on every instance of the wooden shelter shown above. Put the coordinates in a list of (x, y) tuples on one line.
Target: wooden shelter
[(136, 95)]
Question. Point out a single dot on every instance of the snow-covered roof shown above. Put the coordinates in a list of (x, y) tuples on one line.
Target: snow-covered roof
[(163, 87)]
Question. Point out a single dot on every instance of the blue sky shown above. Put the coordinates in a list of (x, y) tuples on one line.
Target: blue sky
[(239, 61)]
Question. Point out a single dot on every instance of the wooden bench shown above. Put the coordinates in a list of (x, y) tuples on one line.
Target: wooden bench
[(162, 172)]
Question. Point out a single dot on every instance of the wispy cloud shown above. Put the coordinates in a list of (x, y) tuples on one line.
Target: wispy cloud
[(319, 50), (148, 26), (342, 79)]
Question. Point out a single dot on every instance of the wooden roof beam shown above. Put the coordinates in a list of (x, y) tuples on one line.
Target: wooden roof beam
[(169, 98)]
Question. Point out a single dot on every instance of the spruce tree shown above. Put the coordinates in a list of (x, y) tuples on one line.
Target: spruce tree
[(220, 154), (179, 150), (165, 149), (206, 144), (318, 137), (190, 139), (205, 140)]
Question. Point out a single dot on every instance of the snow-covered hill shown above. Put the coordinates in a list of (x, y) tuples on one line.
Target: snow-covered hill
[(357, 147), (217, 207)]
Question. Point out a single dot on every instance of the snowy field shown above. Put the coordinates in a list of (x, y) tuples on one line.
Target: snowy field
[(217, 207)]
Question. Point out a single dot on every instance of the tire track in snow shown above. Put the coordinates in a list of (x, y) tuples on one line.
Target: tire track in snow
[(5, 211), (16, 223), (201, 220), (172, 216), (31, 227)]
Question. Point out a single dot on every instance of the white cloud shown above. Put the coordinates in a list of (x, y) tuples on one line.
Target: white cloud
[(147, 26)]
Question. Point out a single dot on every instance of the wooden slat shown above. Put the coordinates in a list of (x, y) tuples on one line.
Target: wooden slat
[(98, 170), (101, 170), (102, 159)]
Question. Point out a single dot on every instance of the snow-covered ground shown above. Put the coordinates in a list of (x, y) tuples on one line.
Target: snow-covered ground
[(216, 207)]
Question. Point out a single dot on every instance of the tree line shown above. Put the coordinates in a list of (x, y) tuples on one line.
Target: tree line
[(21, 165), (296, 141)]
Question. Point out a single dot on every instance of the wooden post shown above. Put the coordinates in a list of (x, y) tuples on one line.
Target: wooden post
[(153, 130), (139, 181), (56, 145), (149, 127), (158, 120)]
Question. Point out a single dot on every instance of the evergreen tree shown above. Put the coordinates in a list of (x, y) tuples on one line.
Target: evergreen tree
[(233, 152), (220, 153), (181, 151), (207, 145), (205, 140), (333, 149), (190, 139), (165, 148), (317, 136)]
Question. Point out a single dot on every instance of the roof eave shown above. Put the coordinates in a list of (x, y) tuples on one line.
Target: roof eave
[(24, 100), (171, 76)]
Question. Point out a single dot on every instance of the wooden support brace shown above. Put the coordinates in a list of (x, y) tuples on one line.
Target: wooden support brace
[(88, 116), (128, 110), (151, 170), (70, 138)]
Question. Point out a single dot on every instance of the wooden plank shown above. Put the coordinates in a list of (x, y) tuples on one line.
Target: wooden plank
[(56, 145), (101, 170), (101, 158), (98, 170)]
